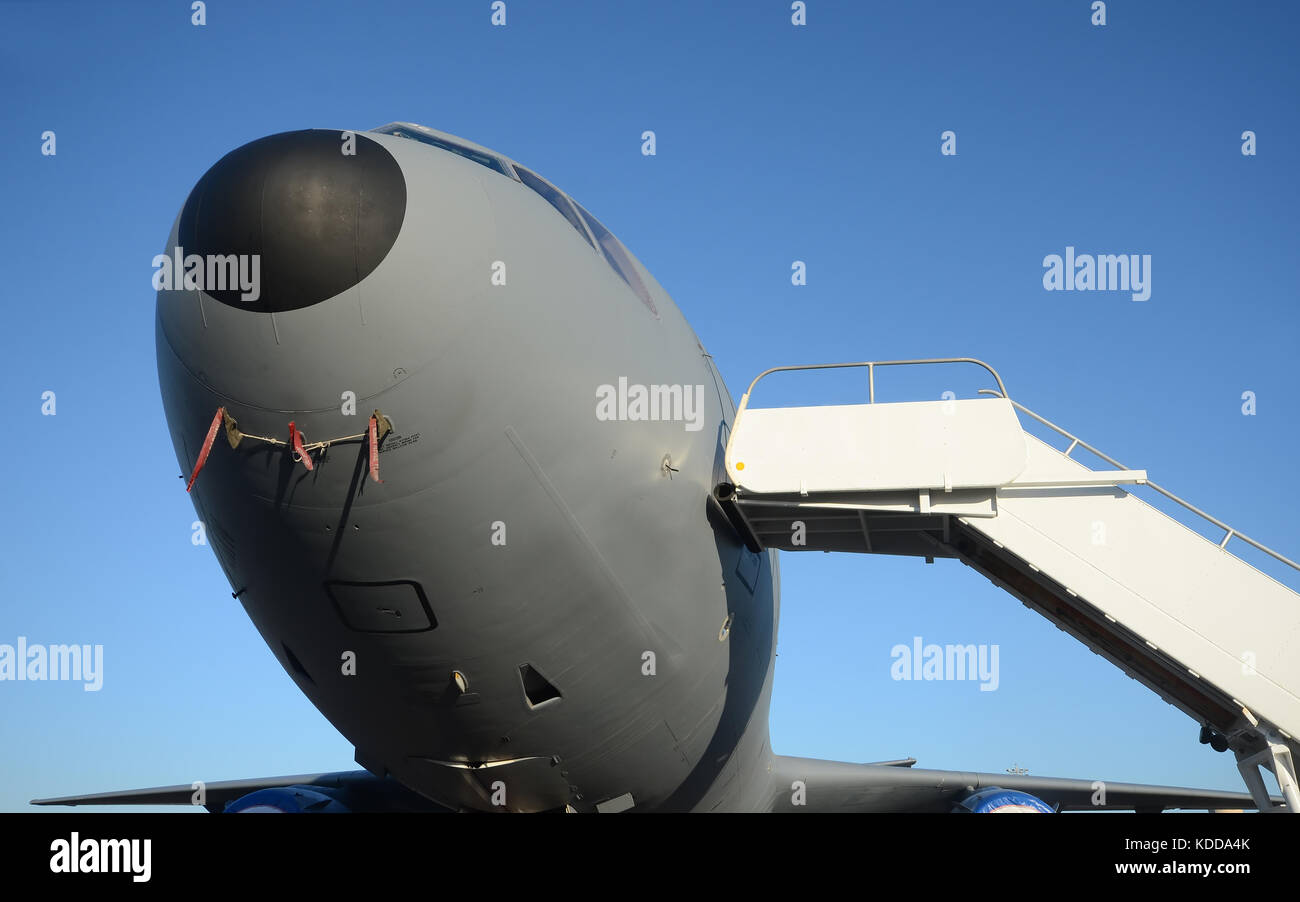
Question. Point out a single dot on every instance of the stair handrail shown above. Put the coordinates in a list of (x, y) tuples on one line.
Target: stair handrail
[(871, 373), (1075, 441)]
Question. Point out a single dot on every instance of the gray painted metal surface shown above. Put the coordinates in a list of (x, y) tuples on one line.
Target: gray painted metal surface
[(492, 390)]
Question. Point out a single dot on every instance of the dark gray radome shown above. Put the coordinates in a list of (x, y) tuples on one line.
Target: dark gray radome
[(321, 220)]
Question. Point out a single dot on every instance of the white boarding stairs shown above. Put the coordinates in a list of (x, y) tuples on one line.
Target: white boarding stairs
[(960, 478)]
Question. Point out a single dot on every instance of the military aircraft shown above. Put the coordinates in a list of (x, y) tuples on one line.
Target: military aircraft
[(465, 465)]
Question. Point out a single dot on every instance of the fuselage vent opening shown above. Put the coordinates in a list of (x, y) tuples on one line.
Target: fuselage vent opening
[(537, 689)]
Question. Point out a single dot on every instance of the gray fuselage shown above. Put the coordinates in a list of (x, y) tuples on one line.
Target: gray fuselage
[(519, 534)]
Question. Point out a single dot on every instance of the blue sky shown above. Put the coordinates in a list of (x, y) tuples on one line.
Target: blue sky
[(774, 143)]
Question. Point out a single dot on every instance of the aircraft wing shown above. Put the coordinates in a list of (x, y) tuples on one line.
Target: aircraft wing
[(358, 789), (846, 787), (828, 786)]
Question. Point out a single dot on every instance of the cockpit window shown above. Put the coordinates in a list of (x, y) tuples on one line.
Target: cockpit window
[(553, 197), (483, 159), (618, 258)]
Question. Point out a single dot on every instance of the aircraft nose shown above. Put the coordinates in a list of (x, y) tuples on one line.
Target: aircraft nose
[(314, 212)]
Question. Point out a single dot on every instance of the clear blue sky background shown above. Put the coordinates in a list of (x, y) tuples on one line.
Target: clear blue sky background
[(775, 144)]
